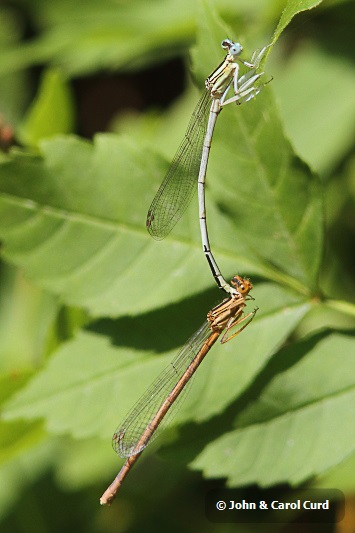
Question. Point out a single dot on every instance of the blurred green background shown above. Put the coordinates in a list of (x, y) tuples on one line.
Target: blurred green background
[(94, 100)]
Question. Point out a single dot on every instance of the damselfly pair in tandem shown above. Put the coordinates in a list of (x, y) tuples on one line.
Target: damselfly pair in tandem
[(157, 405)]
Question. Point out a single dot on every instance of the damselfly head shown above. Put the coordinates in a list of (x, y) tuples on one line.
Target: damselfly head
[(234, 49), (243, 285)]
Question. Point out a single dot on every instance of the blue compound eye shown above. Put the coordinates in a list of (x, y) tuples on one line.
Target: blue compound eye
[(234, 49)]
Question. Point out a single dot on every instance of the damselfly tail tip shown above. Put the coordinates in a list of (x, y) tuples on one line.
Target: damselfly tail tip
[(107, 498)]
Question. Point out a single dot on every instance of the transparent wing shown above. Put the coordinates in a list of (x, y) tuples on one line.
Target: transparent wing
[(126, 438), (177, 189)]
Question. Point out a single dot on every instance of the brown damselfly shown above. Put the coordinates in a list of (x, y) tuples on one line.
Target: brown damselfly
[(154, 409)]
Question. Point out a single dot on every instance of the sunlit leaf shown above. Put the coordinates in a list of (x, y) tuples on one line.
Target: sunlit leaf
[(299, 426), (96, 376), (291, 9), (50, 204), (329, 131)]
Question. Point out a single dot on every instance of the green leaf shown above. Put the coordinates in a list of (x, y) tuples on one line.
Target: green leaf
[(272, 197), (84, 36), (291, 9), (17, 437), (101, 373), (49, 206), (78, 193), (298, 426), (51, 113), (11, 382), (341, 476), (81, 463), (119, 35), (329, 132), (27, 318)]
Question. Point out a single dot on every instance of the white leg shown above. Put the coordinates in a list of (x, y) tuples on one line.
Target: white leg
[(238, 98)]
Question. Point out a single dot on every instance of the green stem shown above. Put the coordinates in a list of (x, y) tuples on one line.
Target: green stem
[(344, 307)]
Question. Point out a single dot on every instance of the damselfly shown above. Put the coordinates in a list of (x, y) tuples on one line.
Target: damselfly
[(157, 405), (190, 162)]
